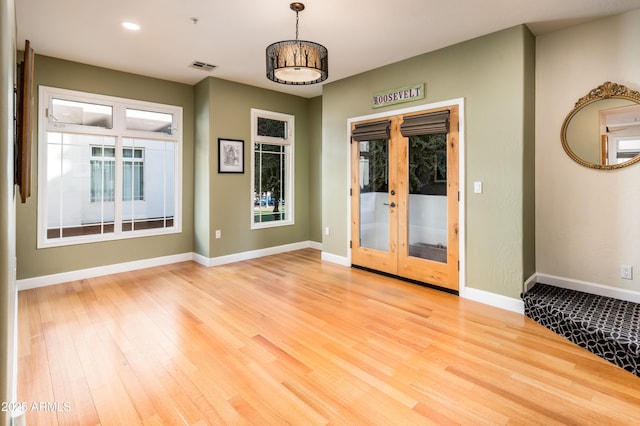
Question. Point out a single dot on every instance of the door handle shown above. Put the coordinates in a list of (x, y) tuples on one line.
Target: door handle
[(390, 205)]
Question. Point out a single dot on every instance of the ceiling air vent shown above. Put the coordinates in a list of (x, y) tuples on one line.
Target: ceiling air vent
[(202, 66)]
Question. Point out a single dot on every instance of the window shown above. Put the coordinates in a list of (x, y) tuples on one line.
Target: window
[(627, 148), (133, 174), (109, 168), (103, 165), (272, 169)]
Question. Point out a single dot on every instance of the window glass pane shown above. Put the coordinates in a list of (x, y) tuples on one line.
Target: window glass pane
[(54, 182), (102, 174), (102, 180), (74, 154), (374, 182), (374, 170), (269, 193), (79, 185), (148, 203), (272, 128), (149, 121), (132, 181), (81, 113), (427, 178), (271, 148), (629, 144)]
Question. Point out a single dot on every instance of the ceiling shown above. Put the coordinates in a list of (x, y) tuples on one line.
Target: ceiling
[(233, 35)]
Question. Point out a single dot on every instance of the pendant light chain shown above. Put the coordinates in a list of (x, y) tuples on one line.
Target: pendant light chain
[(297, 21)]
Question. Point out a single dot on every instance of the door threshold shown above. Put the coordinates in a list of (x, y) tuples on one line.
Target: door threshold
[(409, 280)]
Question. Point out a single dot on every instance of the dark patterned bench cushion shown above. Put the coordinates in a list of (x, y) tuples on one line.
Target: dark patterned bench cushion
[(608, 327)]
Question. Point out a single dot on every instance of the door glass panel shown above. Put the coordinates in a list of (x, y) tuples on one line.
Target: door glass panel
[(374, 187), (428, 197)]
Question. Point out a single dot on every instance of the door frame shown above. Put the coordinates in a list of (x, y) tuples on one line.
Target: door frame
[(459, 102)]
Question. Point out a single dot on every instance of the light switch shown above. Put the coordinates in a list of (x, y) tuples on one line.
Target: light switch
[(477, 187)]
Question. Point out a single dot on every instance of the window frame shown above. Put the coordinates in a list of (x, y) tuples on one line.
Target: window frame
[(120, 133), (289, 143)]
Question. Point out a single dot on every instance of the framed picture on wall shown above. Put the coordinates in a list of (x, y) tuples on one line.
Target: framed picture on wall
[(230, 156)]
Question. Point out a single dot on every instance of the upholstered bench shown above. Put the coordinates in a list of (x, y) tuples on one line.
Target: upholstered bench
[(608, 327)]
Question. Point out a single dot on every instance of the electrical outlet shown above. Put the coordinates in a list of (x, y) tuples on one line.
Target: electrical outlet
[(626, 272), (326, 231), (218, 233)]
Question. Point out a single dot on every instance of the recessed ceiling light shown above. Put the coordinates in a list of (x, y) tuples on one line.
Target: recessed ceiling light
[(131, 26)]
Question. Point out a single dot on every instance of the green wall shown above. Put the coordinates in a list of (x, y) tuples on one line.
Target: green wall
[(226, 106), (33, 262), (494, 75), (201, 170), (315, 170)]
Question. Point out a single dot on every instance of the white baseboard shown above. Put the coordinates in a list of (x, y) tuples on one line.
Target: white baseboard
[(315, 245), (200, 259), (35, 282), (340, 260), (254, 254), (533, 279), (63, 277), (587, 287), (496, 300)]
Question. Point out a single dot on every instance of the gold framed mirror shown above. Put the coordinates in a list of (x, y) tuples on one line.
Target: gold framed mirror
[(602, 131)]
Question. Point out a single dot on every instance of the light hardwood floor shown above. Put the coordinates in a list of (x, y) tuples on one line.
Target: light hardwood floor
[(289, 339)]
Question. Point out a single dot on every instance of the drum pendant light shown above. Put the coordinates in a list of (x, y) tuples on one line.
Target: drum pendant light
[(297, 62)]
